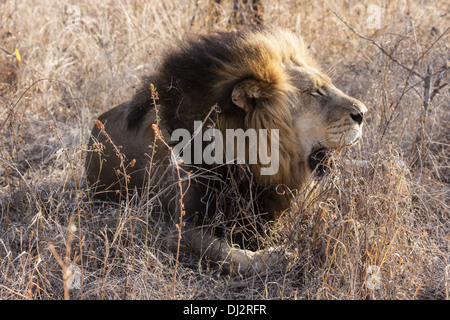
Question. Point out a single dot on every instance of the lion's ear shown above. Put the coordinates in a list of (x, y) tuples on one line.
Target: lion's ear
[(246, 94)]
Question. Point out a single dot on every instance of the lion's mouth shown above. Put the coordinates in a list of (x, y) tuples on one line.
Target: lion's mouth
[(320, 161)]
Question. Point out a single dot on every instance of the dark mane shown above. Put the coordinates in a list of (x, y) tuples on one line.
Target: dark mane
[(141, 104), (203, 72), (186, 74)]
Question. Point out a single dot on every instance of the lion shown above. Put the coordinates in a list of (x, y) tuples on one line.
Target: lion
[(260, 78)]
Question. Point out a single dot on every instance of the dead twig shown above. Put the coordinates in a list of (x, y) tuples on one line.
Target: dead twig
[(377, 45), (383, 50), (126, 178), (179, 225), (66, 264)]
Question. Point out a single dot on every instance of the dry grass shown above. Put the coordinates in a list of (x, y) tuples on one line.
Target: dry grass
[(382, 221)]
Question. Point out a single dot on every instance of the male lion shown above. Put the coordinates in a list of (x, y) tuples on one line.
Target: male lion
[(259, 79)]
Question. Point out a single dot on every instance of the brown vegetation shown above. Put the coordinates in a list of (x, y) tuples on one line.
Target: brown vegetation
[(373, 231)]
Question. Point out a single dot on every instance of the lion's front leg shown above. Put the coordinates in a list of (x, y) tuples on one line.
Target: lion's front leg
[(259, 262), (233, 259)]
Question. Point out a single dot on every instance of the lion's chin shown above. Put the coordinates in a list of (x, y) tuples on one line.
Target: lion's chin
[(320, 161)]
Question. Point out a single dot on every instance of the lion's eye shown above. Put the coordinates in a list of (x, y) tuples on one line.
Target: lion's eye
[(318, 92)]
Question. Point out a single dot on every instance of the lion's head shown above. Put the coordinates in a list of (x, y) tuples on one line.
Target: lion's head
[(324, 117), (262, 78), (321, 116)]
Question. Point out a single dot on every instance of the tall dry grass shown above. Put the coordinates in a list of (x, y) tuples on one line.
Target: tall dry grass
[(377, 231)]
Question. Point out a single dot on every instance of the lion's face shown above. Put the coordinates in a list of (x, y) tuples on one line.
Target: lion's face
[(324, 118), (319, 115)]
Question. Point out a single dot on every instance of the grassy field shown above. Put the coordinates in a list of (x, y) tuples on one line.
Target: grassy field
[(381, 231)]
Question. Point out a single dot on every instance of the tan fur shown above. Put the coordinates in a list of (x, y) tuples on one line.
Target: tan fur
[(267, 81)]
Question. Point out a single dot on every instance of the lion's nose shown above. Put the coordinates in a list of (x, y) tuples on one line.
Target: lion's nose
[(358, 117)]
